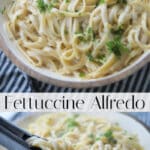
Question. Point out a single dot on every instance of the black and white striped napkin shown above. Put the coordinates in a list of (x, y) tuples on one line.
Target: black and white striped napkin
[(14, 80)]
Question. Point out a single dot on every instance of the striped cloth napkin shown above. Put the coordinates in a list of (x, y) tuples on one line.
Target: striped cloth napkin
[(14, 80)]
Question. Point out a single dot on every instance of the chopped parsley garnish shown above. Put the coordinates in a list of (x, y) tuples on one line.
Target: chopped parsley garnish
[(110, 138), (50, 6), (122, 1), (66, 32), (107, 135), (99, 59), (82, 74), (118, 31), (116, 46), (86, 36), (100, 2), (67, 1), (72, 123), (92, 138), (2, 10), (43, 7), (117, 2), (90, 57), (90, 33), (131, 138)]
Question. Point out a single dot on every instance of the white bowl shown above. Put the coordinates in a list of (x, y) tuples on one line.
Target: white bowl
[(17, 58), (125, 121)]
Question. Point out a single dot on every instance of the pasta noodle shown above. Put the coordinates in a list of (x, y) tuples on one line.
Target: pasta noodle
[(80, 38), (80, 132), (2, 147)]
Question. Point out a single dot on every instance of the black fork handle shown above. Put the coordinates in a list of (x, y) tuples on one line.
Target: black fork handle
[(11, 141), (11, 135), (14, 129)]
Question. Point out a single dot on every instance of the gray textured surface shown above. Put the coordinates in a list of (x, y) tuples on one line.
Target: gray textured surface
[(144, 117)]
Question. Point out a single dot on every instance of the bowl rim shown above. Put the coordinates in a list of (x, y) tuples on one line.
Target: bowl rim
[(16, 119), (112, 78)]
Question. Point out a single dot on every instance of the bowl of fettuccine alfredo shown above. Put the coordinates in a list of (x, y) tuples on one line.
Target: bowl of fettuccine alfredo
[(76, 43), (84, 131)]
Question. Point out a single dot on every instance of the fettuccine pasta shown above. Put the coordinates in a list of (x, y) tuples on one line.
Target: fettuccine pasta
[(80, 38), (80, 132)]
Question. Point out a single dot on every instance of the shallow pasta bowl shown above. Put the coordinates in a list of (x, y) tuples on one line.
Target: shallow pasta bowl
[(126, 122), (11, 50)]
